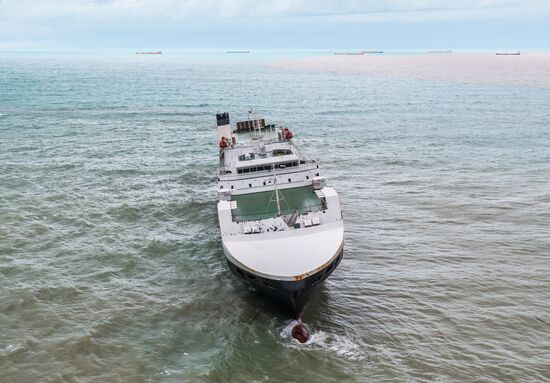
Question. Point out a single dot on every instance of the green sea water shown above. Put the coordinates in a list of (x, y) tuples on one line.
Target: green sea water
[(111, 264)]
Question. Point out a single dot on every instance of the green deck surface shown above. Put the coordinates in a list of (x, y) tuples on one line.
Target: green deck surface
[(263, 205)]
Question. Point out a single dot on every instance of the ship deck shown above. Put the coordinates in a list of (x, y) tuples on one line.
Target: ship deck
[(262, 205)]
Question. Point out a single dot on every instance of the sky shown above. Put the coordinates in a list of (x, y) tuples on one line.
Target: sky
[(271, 24)]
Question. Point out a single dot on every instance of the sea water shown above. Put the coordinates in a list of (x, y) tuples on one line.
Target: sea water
[(111, 265)]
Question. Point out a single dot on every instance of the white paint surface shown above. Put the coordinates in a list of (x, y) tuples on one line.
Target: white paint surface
[(287, 254)]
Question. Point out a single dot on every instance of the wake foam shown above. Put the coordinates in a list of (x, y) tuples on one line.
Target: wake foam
[(341, 345)]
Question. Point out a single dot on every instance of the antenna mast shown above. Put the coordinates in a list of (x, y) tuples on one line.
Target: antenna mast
[(278, 196), (277, 199)]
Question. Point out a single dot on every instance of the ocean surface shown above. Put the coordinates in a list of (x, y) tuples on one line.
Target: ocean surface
[(111, 266)]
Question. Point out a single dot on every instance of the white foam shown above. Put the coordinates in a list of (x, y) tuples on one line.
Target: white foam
[(10, 349), (341, 345)]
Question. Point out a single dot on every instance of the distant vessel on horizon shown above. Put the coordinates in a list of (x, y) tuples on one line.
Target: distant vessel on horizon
[(508, 53), (348, 53), (237, 52), (359, 53), (443, 51), (149, 53)]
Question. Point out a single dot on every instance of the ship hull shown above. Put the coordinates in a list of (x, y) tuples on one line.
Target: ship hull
[(292, 296)]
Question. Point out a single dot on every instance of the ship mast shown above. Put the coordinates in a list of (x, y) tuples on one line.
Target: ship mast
[(278, 196), (277, 199), (253, 118)]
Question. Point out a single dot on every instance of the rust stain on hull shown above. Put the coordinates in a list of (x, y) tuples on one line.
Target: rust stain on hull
[(322, 267)]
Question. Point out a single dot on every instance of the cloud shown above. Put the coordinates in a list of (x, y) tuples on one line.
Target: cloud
[(60, 20), (98, 10)]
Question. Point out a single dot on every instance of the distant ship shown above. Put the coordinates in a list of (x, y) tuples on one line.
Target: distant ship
[(281, 226), (349, 53), (149, 53), (359, 53), (237, 52), (508, 53), (444, 51)]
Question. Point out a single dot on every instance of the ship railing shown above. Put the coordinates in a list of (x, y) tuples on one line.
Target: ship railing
[(287, 211), (224, 171)]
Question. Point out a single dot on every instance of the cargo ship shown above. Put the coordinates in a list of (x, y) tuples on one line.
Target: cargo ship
[(281, 224)]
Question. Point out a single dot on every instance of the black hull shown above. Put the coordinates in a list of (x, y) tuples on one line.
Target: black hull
[(292, 295)]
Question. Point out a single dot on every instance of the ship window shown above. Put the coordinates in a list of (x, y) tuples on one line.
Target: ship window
[(307, 177), (221, 186), (264, 183), (231, 186), (317, 174), (295, 163), (239, 171), (252, 169), (288, 164), (289, 180), (249, 185), (246, 170)]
